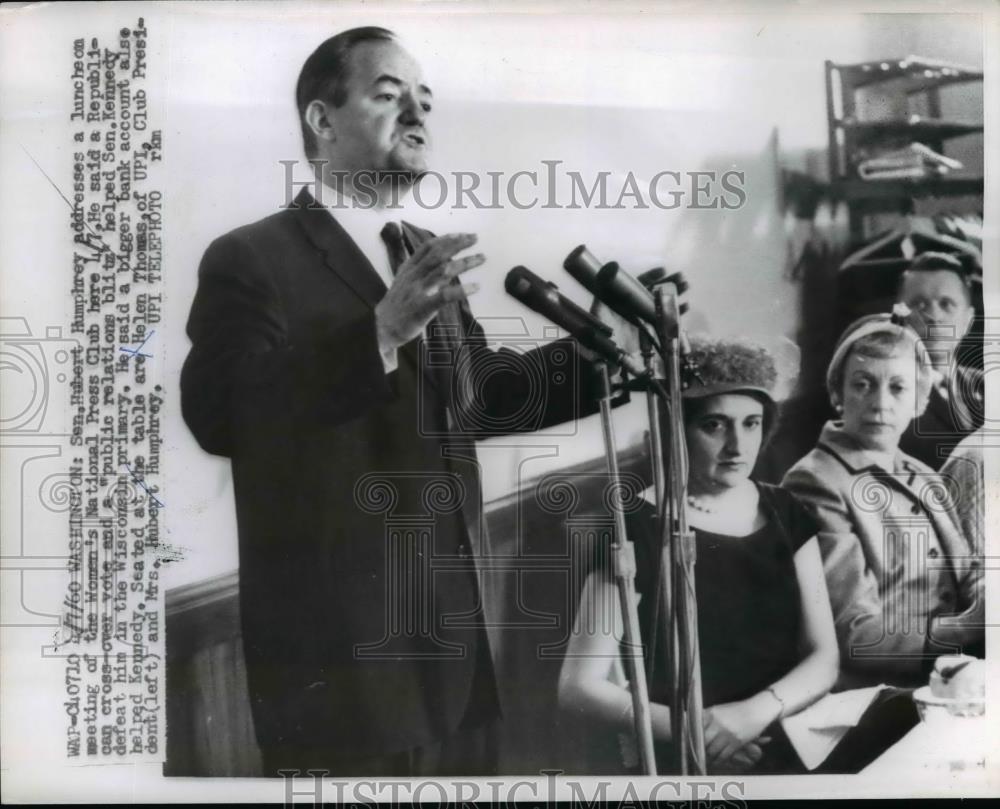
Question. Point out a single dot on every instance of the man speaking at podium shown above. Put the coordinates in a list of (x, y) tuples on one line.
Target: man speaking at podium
[(317, 336)]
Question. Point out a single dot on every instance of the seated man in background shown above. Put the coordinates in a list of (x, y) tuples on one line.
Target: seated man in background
[(938, 291)]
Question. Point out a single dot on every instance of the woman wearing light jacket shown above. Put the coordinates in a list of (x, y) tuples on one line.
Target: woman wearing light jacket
[(904, 584)]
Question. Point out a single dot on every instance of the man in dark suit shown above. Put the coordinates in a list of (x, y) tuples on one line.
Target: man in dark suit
[(315, 364), (937, 289)]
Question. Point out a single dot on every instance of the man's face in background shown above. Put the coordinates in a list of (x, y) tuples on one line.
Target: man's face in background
[(941, 310), (382, 124)]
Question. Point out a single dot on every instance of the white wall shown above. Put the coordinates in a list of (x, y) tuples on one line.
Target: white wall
[(640, 93)]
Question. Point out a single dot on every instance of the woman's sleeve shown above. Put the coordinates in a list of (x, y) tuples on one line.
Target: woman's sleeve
[(963, 474), (798, 521)]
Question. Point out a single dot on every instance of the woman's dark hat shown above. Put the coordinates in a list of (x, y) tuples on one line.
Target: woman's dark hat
[(727, 366)]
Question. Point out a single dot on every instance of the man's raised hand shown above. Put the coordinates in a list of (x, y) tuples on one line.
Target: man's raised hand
[(423, 284)]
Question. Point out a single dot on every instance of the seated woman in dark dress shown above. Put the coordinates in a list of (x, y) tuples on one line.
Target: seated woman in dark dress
[(767, 642)]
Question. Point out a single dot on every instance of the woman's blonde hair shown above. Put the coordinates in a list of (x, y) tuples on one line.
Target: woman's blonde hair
[(879, 337)]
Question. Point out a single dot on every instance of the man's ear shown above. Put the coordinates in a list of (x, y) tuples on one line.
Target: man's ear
[(922, 402), (318, 120)]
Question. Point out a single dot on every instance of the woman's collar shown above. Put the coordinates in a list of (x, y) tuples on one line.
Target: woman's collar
[(853, 454)]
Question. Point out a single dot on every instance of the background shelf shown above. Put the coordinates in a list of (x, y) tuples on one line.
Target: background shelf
[(868, 132), (852, 140), (874, 190), (920, 74)]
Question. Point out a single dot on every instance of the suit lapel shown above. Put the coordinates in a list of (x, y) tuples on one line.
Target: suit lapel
[(339, 251), (939, 412), (903, 482), (857, 461), (345, 258), (447, 335), (450, 334), (967, 399)]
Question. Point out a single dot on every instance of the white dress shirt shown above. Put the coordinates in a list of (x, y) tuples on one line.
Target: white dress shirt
[(364, 226)]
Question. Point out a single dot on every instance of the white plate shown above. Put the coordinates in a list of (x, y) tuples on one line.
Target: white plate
[(929, 705)]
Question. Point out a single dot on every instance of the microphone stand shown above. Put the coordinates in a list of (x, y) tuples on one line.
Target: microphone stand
[(653, 411), (623, 563), (663, 594), (678, 560), (676, 568)]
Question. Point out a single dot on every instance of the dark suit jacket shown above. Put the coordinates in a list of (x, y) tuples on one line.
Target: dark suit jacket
[(361, 611), (931, 437)]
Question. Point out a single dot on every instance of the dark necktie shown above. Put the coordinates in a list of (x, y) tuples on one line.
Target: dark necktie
[(444, 332), (392, 236)]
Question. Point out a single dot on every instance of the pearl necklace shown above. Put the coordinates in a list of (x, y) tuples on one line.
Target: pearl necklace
[(697, 505), (742, 499)]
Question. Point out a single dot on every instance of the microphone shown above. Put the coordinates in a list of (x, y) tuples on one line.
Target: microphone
[(656, 276), (617, 289), (544, 297), (583, 266), (588, 270), (625, 295)]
